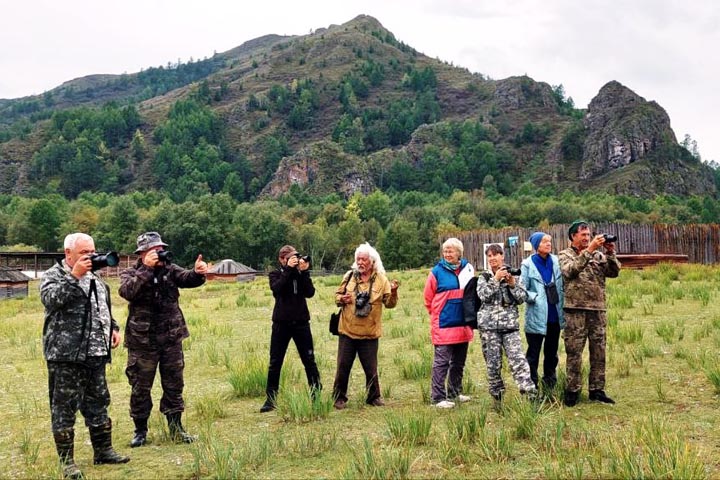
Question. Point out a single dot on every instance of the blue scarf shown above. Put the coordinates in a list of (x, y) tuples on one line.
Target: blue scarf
[(449, 265), (545, 267)]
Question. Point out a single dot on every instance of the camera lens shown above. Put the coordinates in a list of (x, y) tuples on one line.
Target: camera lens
[(110, 259), (610, 238)]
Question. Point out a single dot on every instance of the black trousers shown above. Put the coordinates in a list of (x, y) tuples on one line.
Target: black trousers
[(366, 350), (550, 352), (279, 341)]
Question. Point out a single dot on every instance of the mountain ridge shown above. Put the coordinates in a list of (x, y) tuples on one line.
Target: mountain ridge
[(354, 91)]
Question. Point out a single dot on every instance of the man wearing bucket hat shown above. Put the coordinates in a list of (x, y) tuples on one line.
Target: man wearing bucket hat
[(154, 333), (584, 268)]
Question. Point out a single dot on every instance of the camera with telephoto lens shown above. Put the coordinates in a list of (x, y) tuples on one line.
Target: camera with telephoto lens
[(165, 256), (361, 299), (513, 271), (609, 237), (102, 260)]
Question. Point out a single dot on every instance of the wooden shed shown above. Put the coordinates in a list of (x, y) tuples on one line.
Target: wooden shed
[(13, 283), (231, 270)]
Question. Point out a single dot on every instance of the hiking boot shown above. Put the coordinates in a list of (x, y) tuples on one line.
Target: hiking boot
[(268, 406), (177, 432), (444, 404), (141, 429), (571, 398), (378, 402), (65, 445), (101, 439), (599, 396), (340, 404)]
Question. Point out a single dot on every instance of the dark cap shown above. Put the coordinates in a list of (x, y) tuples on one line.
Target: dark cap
[(148, 240)]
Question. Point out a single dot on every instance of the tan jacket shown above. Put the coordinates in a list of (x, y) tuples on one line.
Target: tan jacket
[(370, 327), (584, 277)]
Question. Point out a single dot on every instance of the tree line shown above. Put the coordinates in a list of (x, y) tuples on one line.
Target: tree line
[(405, 226)]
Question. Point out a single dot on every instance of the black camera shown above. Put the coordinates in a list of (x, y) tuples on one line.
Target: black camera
[(165, 256), (609, 237), (513, 271), (304, 258), (361, 299), (102, 260)]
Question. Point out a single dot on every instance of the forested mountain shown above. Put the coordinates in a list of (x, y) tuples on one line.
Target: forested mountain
[(329, 139), (349, 108)]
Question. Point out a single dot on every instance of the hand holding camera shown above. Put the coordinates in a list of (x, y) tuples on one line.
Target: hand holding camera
[(155, 257)]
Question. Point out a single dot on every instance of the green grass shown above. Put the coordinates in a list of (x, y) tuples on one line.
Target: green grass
[(662, 368)]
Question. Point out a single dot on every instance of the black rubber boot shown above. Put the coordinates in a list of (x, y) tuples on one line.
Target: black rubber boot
[(599, 396), (571, 398), (65, 445), (177, 432), (141, 429), (101, 438)]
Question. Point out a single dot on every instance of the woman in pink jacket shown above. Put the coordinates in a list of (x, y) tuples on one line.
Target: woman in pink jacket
[(450, 336)]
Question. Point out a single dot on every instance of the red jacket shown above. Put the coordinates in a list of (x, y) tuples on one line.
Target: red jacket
[(443, 296)]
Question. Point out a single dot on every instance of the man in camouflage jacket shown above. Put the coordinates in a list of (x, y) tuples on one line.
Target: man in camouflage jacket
[(154, 333), (78, 336), (584, 268), (499, 325)]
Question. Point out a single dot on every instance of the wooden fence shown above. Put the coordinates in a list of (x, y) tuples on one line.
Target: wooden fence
[(701, 243), (37, 262)]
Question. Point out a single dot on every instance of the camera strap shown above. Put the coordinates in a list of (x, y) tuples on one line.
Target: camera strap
[(372, 279), (93, 291)]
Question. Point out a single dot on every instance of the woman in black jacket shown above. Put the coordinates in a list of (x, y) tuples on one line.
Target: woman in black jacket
[(291, 286)]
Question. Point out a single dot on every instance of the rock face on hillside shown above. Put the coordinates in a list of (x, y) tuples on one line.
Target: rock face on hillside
[(515, 93), (622, 128), (321, 168), (631, 147)]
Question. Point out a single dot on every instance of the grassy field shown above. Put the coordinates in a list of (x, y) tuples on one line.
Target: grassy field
[(663, 370)]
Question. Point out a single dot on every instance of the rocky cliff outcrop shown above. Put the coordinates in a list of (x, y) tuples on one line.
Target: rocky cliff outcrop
[(321, 168), (630, 148), (622, 128)]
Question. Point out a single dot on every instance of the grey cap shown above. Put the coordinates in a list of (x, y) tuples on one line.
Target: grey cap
[(148, 240)]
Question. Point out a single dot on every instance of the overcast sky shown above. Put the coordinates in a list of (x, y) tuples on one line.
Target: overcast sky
[(664, 50)]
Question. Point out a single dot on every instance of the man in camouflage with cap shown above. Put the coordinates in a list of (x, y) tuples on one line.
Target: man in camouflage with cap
[(154, 333), (78, 336), (498, 321), (584, 268)]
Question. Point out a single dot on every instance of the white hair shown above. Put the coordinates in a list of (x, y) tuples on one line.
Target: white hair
[(72, 239), (454, 243), (374, 257)]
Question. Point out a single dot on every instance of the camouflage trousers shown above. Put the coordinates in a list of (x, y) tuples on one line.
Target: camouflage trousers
[(493, 344), (140, 370), (581, 325), (78, 386)]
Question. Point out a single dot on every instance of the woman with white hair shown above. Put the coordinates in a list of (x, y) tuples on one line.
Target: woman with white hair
[(450, 335), (364, 291)]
